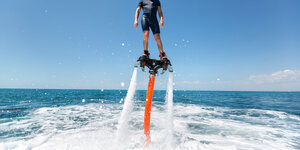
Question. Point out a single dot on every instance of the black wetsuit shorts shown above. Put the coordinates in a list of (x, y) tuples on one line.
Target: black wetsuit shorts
[(152, 23), (149, 19)]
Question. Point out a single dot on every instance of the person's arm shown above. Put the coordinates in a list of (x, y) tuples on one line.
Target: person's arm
[(160, 14), (137, 13)]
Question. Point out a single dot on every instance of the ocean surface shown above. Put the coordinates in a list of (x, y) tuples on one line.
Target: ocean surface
[(88, 119)]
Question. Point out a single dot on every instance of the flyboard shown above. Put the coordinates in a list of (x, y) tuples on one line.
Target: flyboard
[(153, 65)]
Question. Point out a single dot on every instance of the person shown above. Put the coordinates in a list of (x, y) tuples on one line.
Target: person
[(149, 20)]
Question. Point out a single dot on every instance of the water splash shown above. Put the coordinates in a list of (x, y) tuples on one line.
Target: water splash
[(169, 103), (127, 108)]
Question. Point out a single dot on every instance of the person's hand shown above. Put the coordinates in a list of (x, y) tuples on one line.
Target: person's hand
[(136, 24), (161, 23)]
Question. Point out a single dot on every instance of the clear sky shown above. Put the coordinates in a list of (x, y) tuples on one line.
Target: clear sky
[(92, 44)]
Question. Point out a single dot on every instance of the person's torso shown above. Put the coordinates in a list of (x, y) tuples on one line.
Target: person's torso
[(150, 7)]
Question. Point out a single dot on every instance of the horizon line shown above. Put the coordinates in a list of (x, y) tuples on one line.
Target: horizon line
[(145, 89)]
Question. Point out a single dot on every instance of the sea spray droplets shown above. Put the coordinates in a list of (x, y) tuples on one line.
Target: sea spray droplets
[(122, 84)]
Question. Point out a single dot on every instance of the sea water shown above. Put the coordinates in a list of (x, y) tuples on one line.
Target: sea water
[(209, 120)]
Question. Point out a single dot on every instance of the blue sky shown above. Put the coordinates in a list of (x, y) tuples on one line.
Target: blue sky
[(92, 44)]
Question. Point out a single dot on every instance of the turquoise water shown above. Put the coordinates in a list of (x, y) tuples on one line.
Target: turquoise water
[(87, 119)]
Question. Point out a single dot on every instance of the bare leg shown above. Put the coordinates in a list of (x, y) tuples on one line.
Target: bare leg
[(146, 38), (158, 41)]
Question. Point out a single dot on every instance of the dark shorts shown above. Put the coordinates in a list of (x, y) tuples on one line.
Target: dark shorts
[(152, 23)]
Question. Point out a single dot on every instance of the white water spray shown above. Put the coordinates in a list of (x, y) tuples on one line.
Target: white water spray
[(169, 103), (123, 121)]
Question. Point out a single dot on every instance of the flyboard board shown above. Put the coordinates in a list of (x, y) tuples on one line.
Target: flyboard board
[(153, 65)]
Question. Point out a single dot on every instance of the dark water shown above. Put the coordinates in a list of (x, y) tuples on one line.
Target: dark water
[(24, 99)]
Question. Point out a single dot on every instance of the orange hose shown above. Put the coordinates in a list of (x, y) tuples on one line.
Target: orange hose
[(148, 108)]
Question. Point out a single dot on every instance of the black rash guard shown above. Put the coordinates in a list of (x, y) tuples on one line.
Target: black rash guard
[(149, 7), (149, 18)]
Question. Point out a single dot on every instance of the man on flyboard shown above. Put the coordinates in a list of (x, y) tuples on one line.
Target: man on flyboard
[(149, 20)]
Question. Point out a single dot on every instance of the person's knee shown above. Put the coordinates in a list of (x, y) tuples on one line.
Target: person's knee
[(146, 35), (156, 36), (146, 38)]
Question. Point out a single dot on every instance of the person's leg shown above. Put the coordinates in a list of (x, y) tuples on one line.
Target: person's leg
[(146, 54), (146, 39), (158, 41)]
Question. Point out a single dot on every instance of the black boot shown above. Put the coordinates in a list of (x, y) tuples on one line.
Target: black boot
[(143, 59), (165, 60), (163, 56)]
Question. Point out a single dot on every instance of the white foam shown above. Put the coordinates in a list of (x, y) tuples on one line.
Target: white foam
[(210, 126)]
